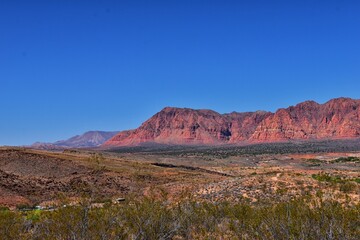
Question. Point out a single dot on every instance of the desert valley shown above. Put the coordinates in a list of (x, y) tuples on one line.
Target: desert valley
[(179, 120), (305, 156)]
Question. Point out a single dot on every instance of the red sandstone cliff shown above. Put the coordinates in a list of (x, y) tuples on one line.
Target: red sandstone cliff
[(337, 118)]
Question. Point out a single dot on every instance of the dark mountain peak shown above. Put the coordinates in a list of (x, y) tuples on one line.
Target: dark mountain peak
[(87, 139)]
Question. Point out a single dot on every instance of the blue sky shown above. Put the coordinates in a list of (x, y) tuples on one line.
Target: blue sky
[(71, 66)]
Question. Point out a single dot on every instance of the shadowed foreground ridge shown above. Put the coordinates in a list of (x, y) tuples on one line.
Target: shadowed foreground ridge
[(335, 119)]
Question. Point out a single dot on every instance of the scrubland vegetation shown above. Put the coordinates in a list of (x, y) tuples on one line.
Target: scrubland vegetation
[(254, 149), (185, 194), (305, 218)]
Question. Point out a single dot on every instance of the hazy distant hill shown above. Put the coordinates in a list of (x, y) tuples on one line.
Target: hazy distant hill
[(88, 139), (336, 119)]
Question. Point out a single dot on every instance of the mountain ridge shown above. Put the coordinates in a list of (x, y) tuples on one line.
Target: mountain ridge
[(335, 119), (87, 139)]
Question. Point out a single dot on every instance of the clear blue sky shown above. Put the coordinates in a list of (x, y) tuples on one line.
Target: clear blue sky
[(71, 66)]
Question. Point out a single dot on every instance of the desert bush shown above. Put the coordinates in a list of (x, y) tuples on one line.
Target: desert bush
[(11, 225), (24, 206), (325, 177), (97, 161), (348, 187), (150, 219), (346, 159), (188, 219), (4, 208)]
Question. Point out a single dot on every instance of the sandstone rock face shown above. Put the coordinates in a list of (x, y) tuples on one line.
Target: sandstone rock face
[(337, 118), (178, 126), (243, 125)]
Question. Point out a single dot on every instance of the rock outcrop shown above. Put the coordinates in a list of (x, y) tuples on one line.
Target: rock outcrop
[(337, 118)]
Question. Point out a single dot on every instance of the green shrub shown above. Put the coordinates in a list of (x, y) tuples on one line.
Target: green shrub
[(346, 159), (325, 177), (11, 225), (3, 208), (23, 206), (348, 187)]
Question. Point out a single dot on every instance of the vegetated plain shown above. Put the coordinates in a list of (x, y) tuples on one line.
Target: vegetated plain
[(294, 190)]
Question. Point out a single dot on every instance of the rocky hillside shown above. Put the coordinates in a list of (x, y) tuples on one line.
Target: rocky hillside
[(335, 119), (30, 176)]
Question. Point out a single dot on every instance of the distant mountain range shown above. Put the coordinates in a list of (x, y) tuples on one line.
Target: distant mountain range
[(336, 119), (88, 139)]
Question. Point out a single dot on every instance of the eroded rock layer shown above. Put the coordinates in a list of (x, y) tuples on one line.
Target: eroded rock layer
[(337, 118)]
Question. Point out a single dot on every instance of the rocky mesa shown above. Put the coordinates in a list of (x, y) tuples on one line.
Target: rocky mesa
[(335, 119)]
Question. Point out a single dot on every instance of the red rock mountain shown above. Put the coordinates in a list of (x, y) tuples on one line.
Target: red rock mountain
[(337, 118)]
